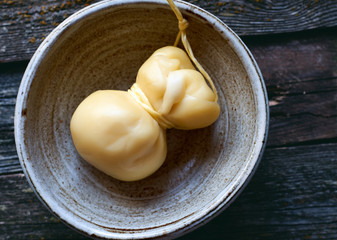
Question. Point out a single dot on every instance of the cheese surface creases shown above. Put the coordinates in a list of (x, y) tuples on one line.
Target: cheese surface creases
[(112, 131), (176, 90)]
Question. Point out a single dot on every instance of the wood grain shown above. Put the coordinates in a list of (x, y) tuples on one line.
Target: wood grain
[(10, 77), (300, 72), (24, 24)]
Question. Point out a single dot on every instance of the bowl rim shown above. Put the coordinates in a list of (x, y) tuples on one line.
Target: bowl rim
[(228, 195)]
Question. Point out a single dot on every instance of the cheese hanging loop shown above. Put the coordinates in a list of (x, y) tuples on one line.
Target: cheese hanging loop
[(183, 24)]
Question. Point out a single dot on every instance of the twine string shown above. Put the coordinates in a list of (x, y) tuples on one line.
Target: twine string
[(140, 97), (183, 24)]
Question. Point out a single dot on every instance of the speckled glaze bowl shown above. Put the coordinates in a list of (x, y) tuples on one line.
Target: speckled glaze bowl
[(102, 47)]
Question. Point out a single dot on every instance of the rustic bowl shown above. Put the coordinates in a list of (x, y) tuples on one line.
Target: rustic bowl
[(102, 47)]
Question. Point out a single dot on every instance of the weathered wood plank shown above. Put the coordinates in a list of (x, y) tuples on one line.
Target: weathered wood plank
[(304, 117), (300, 72), (24, 24), (10, 77), (292, 196), (292, 58)]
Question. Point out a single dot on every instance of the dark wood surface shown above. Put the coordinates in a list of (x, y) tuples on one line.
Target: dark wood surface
[(25, 23), (293, 194)]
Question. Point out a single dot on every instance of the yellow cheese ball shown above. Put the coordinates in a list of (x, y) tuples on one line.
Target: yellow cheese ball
[(176, 90)]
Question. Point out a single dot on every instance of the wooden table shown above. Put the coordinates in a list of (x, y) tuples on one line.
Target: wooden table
[(293, 194)]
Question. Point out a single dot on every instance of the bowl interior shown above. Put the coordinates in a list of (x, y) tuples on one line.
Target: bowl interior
[(104, 50)]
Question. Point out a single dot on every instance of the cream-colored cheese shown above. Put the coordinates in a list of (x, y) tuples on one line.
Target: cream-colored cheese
[(176, 90), (112, 130), (117, 136)]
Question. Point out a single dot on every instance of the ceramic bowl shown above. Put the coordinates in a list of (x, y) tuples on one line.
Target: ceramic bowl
[(102, 47)]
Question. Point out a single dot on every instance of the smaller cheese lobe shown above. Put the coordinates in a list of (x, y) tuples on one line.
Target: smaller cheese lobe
[(176, 90)]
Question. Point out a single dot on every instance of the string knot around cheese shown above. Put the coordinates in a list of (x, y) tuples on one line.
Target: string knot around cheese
[(183, 24), (142, 100)]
